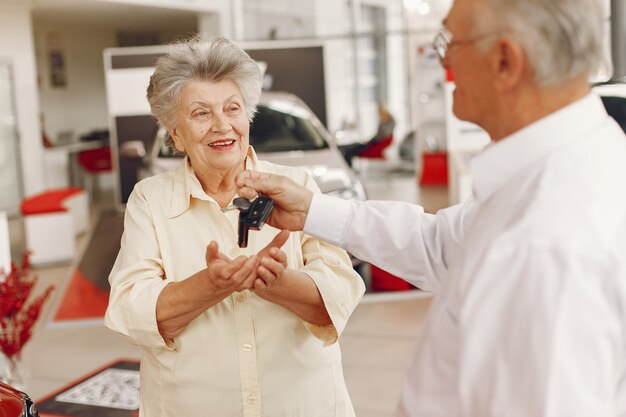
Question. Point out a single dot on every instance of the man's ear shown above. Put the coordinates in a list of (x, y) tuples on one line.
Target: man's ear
[(178, 143), (509, 64)]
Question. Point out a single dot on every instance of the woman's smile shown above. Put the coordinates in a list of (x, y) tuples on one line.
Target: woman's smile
[(222, 144)]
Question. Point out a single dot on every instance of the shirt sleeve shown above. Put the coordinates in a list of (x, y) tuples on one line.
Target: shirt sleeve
[(340, 286), (555, 352), (137, 278), (398, 237)]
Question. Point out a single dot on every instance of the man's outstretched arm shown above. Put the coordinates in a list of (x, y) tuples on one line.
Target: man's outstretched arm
[(398, 237)]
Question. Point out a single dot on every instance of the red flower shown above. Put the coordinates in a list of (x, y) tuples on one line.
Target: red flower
[(17, 318)]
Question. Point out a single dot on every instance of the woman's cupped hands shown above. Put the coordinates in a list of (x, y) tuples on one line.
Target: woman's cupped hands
[(258, 272)]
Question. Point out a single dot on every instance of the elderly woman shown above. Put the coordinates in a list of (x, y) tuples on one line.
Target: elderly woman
[(225, 331)]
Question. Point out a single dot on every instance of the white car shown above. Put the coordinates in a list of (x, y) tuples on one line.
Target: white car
[(286, 132)]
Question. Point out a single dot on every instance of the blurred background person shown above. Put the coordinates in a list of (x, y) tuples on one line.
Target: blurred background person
[(386, 124)]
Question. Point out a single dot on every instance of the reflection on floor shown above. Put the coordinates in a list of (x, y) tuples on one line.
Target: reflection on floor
[(377, 343)]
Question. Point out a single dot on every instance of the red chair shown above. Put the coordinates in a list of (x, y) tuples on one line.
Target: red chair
[(94, 162), (372, 153), (384, 281), (375, 151), (434, 168)]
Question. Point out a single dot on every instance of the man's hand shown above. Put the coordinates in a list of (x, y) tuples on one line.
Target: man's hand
[(291, 201)]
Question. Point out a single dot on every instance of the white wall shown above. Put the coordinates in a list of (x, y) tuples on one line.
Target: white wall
[(333, 23), (16, 45), (397, 76), (215, 17), (286, 19), (80, 106), (426, 77), (190, 5), (221, 21)]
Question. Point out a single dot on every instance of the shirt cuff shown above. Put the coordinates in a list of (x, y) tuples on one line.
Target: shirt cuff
[(140, 314), (328, 217)]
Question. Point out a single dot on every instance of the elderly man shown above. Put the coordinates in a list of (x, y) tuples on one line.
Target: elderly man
[(529, 316)]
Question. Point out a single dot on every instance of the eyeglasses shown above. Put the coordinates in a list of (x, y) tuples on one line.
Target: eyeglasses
[(443, 41)]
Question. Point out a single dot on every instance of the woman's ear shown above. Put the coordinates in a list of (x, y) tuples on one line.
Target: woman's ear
[(178, 142), (509, 64)]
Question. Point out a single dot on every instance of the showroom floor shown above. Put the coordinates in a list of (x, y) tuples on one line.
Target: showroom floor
[(377, 343)]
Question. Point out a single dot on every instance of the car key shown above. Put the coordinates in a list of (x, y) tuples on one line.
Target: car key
[(239, 203), (252, 215)]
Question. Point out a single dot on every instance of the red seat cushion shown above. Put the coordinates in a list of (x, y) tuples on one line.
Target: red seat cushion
[(375, 151), (96, 160), (50, 201)]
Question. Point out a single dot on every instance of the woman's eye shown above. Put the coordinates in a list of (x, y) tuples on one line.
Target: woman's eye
[(199, 114)]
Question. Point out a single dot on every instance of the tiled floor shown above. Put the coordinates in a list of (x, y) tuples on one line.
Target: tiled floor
[(377, 343)]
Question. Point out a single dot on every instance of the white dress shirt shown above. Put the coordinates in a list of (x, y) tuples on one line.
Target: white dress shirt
[(244, 356), (529, 318)]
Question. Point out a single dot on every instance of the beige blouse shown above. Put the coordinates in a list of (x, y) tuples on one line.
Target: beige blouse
[(244, 356)]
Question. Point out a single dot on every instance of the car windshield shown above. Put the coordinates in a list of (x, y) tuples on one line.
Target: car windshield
[(275, 131)]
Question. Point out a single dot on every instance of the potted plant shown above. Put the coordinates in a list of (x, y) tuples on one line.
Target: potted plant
[(18, 315)]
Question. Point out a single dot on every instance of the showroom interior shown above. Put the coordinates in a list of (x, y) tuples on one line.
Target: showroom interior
[(76, 131)]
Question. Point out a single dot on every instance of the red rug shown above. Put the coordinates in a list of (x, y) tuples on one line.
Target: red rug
[(82, 300), (87, 293)]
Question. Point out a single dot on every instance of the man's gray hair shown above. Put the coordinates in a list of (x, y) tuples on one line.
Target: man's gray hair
[(563, 39), (201, 58)]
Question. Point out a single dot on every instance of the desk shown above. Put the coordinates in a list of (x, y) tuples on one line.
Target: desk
[(60, 163)]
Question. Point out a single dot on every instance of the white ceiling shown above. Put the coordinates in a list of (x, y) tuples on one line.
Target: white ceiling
[(106, 13)]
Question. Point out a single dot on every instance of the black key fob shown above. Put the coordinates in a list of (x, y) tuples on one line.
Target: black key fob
[(252, 215)]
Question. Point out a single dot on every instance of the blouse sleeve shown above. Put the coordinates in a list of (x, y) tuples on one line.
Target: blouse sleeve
[(340, 286), (137, 277)]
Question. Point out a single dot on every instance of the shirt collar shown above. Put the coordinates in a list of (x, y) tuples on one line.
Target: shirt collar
[(187, 185), (502, 160)]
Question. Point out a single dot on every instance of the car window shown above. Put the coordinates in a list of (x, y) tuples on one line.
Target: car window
[(616, 108), (276, 131)]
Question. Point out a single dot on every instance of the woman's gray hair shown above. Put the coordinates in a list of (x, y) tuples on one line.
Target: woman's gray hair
[(201, 58), (563, 39)]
